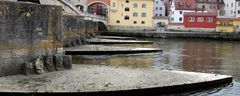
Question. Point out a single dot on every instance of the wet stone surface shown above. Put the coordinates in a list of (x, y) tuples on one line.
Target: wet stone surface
[(105, 48)]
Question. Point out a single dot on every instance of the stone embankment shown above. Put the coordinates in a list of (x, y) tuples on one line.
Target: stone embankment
[(155, 34)]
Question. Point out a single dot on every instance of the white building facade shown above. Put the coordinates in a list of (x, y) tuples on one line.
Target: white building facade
[(176, 13), (230, 8), (159, 8), (237, 8)]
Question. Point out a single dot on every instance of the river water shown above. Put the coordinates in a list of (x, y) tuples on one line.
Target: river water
[(197, 55)]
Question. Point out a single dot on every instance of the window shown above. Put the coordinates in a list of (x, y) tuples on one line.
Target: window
[(172, 19), (143, 22), (144, 14), (126, 17), (209, 19), (231, 4), (156, 8), (231, 11), (160, 14), (118, 21), (156, 15), (113, 4), (191, 19), (180, 19), (134, 22), (238, 11), (156, 2), (127, 1), (135, 14), (200, 19), (203, 7), (135, 5), (144, 5), (180, 12), (127, 9), (160, 8), (238, 4)]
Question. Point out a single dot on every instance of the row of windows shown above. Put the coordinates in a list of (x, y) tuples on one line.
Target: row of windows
[(134, 22), (156, 8), (158, 15), (135, 5), (200, 19), (135, 14), (210, 7), (180, 12)]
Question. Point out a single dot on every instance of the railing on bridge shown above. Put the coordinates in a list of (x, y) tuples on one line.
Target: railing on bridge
[(93, 16)]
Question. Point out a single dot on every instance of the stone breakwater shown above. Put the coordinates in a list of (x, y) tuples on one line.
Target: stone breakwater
[(110, 80)]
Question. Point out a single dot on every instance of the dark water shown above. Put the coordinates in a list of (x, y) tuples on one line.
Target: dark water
[(208, 56)]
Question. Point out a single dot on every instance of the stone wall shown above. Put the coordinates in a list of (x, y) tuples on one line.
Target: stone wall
[(76, 30), (73, 29), (26, 32), (130, 28)]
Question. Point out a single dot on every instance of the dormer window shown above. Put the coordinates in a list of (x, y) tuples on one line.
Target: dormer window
[(127, 1)]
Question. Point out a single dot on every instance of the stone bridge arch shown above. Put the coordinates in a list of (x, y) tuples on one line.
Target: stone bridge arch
[(98, 7), (102, 26)]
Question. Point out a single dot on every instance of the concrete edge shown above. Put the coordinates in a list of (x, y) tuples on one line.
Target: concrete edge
[(150, 42), (110, 52), (164, 90)]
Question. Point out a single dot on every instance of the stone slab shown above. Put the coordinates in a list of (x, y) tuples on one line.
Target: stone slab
[(116, 37), (113, 41), (107, 50), (108, 80)]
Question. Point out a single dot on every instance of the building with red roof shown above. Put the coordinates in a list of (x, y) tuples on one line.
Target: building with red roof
[(200, 20), (178, 7)]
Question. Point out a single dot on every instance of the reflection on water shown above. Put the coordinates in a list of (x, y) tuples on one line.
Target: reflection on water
[(221, 57)]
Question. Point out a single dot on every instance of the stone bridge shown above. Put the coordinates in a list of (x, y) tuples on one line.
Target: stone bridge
[(36, 28)]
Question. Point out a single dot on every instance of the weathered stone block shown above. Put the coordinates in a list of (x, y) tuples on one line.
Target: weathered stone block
[(58, 62), (28, 68), (39, 66), (67, 61), (48, 62), (6, 53)]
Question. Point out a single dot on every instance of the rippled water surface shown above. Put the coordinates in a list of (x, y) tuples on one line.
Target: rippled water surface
[(208, 56)]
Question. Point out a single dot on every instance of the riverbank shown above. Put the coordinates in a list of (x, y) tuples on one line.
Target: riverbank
[(85, 78), (169, 34)]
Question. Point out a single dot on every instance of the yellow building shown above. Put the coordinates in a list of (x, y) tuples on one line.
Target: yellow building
[(131, 14), (228, 25), (236, 24)]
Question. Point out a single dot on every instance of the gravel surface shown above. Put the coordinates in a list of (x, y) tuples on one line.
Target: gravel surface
[(89, 78)]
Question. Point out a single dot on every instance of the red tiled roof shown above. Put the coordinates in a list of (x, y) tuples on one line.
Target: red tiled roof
[(185, 4), (199, 14)]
